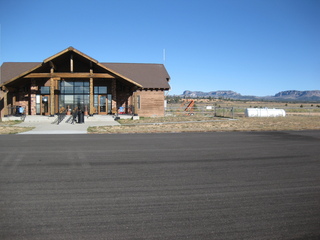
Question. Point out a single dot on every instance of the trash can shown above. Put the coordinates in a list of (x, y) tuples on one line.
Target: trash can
[(80, 117)]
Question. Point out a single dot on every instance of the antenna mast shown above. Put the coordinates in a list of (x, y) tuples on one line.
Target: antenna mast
[(164, 56)]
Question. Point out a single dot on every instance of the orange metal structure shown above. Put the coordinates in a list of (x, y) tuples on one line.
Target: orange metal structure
[(187, 106)]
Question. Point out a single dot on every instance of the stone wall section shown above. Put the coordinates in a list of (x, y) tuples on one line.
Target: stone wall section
[(33, 92)]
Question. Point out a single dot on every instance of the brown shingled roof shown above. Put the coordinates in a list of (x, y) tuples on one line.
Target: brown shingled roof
[(10, 70), (148, 75)]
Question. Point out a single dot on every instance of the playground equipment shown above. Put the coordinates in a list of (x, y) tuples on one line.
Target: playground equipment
[(187, 106)]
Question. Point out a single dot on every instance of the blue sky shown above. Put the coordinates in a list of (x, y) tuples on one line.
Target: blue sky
[(253, 47)]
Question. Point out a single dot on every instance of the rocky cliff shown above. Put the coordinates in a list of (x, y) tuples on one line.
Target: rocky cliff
[(290, 95)]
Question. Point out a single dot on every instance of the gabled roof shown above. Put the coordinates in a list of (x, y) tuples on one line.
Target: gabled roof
[(148, 75), (12, 70), (141, 75), (70, 49)]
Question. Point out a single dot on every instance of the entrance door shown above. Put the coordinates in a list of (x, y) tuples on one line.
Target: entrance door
[(45, 105), (102, 104)]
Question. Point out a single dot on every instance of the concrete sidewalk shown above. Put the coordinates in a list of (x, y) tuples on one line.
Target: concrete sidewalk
[(46, 125)]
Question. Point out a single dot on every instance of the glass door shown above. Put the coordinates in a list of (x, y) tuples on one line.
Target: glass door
[(102, 108)]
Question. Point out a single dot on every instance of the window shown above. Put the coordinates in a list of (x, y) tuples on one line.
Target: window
[(38, 106), (138, 102), (74, 87), (74, 94), (100, 90), (45, 90), (110, 103)]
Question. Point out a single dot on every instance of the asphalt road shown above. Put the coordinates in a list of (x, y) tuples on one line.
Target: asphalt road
[(161, 186)]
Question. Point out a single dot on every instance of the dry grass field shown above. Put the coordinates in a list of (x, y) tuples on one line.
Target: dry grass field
[(299, 116), (10, 127), (196, 124), (248, 103)]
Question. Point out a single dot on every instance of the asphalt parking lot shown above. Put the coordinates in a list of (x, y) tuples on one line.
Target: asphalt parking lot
[(250, 185)]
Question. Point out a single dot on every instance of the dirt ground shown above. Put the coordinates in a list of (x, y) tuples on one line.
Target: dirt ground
[(153, 125), (299, 116), (195, 124), (10, 128)]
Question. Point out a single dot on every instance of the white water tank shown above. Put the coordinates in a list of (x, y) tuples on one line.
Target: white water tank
[(264, 112)]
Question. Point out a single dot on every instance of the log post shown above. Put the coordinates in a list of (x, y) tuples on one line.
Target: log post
[(5, 101), (52, 87), (135, 103), (91, 108)]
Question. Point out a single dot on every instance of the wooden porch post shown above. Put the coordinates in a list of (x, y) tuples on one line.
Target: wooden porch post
[(5, 101), (52, 81), (114, 96), (51, 106), (14, 100), (91, 96), (53, 86), (135, 110)]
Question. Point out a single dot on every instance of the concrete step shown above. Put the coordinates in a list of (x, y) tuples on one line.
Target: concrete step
[(12, 118), (103, 118)]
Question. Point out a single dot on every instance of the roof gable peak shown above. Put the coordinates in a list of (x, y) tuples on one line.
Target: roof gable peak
[(68, 50)]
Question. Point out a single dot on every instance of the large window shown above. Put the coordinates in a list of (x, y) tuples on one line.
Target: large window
[(74, 94), (74, 87)]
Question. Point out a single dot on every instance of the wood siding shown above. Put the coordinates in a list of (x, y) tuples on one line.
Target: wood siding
[(151, 103)]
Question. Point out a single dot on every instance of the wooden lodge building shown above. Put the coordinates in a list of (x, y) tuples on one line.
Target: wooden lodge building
[(72, 80)]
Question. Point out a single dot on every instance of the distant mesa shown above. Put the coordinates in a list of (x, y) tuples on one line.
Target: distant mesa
[(289, 95)]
